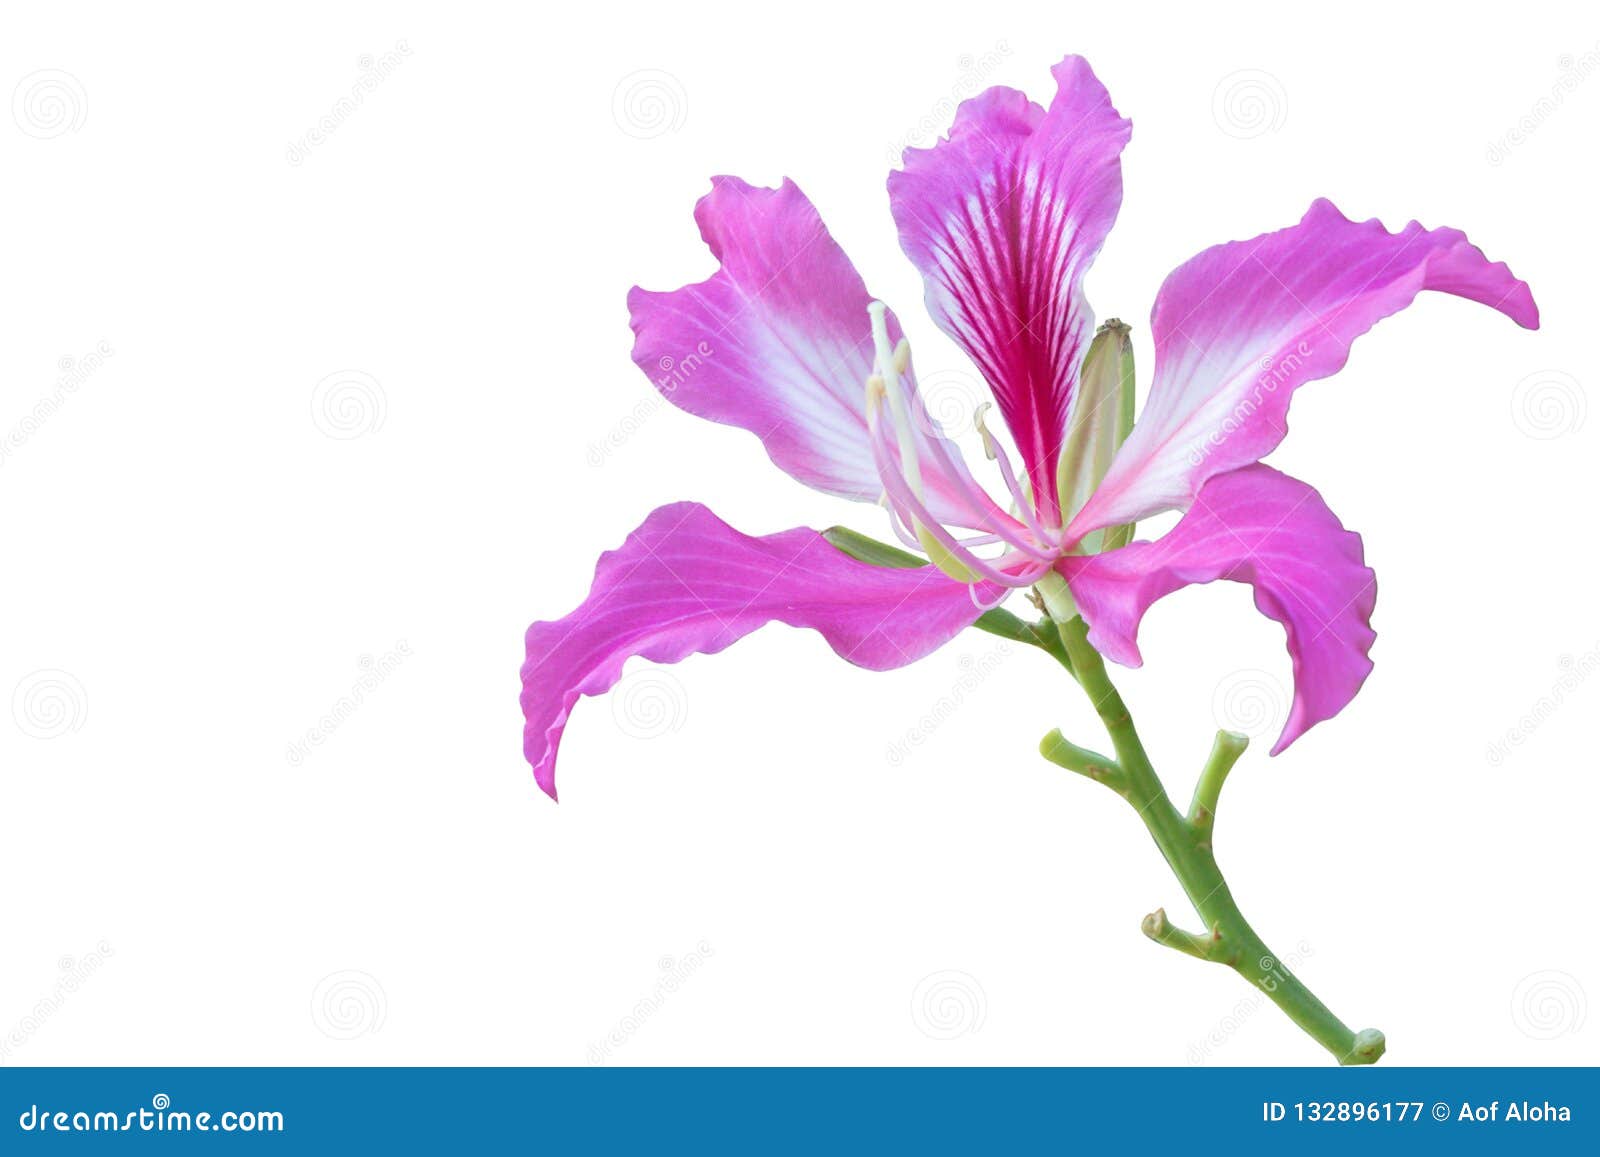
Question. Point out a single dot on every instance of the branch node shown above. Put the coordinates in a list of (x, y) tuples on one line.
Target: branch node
[(1158, 928), (1062, 752)]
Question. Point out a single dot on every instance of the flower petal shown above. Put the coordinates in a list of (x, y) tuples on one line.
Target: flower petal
[(1240, 326), (778, 342), (1257, 526), (686, 583), (1003, 218)]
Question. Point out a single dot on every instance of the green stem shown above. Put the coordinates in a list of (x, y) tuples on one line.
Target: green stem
[(1186, 844), (1042, 635), (1225, 752)]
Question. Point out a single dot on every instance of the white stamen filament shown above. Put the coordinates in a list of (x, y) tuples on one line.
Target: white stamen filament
[(896, 450), (997, 455), (890, 364)]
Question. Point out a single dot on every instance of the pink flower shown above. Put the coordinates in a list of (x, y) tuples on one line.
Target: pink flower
[(1003, 219)]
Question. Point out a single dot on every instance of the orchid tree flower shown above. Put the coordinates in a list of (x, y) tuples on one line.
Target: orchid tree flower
[(1003, 219)]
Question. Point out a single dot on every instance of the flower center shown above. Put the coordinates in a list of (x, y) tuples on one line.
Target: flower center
[(909, 459)]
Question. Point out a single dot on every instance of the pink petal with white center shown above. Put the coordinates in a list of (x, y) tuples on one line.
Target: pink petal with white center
[(686, 583), (1257, 526), (1003, 218), (1238, 328), (778, 342)]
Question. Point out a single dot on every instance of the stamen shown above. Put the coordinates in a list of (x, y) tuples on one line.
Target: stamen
[(972, 593), (946, 553), (912, 522), (997, 455), (888, 374)]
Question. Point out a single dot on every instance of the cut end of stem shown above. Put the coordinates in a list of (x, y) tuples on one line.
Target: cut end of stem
[(1368, 1047), (1158, 928), (1062, 752)]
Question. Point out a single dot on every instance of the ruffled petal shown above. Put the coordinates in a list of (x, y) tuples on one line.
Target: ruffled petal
[(1257, 526), (1003, 218), (778, 342), (1239, 327), (686, 583)]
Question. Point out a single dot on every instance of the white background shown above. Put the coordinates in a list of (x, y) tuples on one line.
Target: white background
[(200, 557)]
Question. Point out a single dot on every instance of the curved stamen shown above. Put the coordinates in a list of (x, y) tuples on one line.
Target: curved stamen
[(885, 385), (903, 531), (910, 508), (972, 593), (897, 523), (986, 514), (997, 454), (888, 375)]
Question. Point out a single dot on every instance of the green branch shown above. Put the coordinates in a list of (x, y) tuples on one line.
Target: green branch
[(1185, 841)]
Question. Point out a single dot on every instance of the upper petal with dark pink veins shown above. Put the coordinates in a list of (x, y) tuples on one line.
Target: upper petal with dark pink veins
[(1257, 526), (1238, 328), (1003, 218), (778, 342), (686, 583)]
